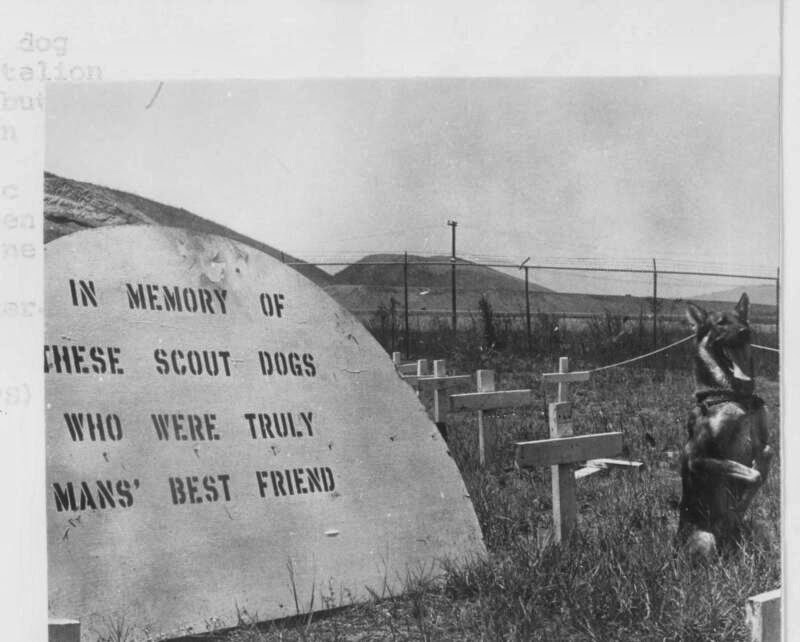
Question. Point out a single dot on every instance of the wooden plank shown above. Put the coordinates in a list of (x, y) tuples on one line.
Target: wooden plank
[(63, 630), (604, 464), (403, 367), (587, 470), (763, 616), (566, 377), (439, 372), (560, 418), (485, 384), (563, 385), (567, 450), (565, 511), (429, 382), (442, 383), (621, 463), (422, 370), (492, 400)]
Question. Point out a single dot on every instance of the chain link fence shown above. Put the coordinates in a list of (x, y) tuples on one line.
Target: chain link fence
[(419, 306)]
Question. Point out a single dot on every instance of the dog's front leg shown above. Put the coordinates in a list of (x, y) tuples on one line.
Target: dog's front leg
[(761, 464), (726, 468), (763, 461)]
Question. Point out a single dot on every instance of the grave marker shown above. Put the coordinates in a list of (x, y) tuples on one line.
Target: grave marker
[(62, 630), (487, 398), (423, 369), (439, 383), (763, 616), (403, 367), (563, 449), (214, 419)]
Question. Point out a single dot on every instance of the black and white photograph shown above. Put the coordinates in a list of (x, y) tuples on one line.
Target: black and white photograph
[(397, 356)]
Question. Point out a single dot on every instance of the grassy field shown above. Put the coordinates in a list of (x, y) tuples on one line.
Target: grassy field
[(620, 577)]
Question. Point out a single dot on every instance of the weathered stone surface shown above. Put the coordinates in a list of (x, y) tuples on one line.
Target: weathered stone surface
[(220, 434)]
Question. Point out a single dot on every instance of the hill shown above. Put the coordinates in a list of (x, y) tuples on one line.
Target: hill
[(71, 206), (376, 269), (368, 298), (762, 294), (376, 279)]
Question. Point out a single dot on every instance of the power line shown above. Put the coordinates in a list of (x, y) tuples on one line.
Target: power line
[(573, 268)]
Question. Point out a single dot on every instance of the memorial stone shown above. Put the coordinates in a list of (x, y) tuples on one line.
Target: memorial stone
[(220, 435)]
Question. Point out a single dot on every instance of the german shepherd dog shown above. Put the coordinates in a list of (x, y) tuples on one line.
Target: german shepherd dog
[(726, 457)]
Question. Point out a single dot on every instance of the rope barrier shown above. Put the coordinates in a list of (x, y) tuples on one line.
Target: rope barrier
[(665, 348), (644, 356), (650, 354), (753, 345)]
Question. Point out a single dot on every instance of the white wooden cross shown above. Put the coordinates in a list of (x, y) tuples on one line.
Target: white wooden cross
[(404, 367), (423, 369), (487, 398), (440, 382), (563, 449), (763, 616), (63, 630)]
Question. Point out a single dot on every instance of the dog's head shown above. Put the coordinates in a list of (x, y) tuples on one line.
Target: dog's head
[(724, 359)]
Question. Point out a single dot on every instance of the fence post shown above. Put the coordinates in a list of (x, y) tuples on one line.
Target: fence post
[(453, 225), (405, 305), (655, 304), (527, 309), (393, 318)]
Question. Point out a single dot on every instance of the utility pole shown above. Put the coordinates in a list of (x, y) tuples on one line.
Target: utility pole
[(453, 225), (525, 267)]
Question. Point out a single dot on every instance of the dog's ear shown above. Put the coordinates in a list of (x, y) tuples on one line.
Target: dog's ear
[(696, 315), (743, 307)]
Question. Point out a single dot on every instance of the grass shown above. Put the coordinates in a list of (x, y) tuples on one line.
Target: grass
[(620, 577)]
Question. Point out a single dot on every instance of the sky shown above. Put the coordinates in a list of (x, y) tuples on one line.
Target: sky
[(611, 171)]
